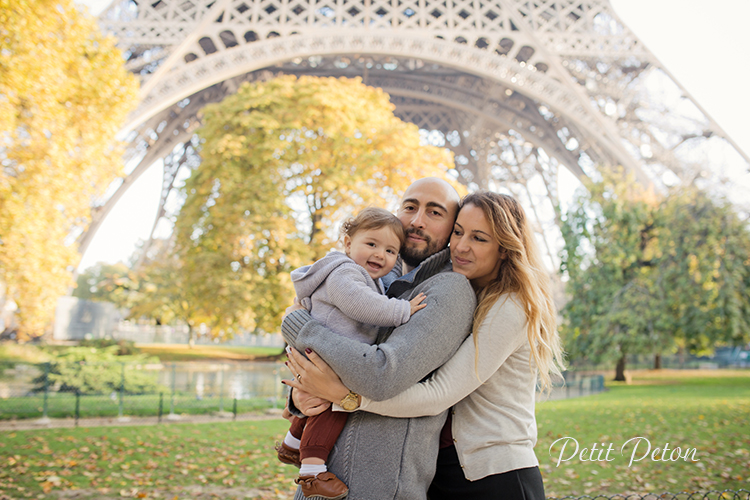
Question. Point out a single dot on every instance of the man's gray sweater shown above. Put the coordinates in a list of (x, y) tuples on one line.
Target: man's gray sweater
[(382, 458)]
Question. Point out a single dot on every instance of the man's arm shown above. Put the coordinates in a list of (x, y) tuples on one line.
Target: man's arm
[(410, 353)]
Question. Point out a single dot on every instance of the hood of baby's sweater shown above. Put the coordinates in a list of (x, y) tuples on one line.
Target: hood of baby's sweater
[(307, 279)]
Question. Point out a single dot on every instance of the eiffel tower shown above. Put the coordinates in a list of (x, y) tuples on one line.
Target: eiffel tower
[(524, 92)]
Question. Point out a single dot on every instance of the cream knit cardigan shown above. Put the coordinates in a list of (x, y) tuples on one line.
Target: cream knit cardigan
[(494, 428)]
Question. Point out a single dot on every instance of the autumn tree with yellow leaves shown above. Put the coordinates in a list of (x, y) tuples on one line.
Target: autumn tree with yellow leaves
[(64, 93), (284, 162)]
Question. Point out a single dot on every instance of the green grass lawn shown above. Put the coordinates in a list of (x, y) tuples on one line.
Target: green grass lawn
[(234, 460), (63, 405), (28, 353), (707, 411), (182, 352), (11, 352)]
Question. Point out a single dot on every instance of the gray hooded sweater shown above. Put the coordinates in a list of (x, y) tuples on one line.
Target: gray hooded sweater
[(340, 294), (386, 458)]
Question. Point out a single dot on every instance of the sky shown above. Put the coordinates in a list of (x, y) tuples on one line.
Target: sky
[(705, 48)]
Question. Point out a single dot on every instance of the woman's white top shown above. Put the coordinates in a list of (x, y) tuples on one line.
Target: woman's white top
[(494, 428)]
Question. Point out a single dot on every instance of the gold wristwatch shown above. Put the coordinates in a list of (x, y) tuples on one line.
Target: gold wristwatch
[(350, 401)]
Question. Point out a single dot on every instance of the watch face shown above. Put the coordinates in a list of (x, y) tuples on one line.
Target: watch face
[(349, 403)]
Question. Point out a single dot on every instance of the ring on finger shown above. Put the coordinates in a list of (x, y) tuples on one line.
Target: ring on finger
[(299, 377)]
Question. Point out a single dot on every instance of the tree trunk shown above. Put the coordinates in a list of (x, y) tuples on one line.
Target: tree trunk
[(620, 369), (657, 361), (191, 337)]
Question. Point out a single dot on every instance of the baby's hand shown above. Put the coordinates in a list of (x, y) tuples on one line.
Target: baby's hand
[(416, 303)]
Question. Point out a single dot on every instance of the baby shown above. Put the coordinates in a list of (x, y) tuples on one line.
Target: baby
[(344, 291)]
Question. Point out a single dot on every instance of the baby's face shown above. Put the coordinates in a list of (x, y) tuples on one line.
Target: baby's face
[(374, 249)]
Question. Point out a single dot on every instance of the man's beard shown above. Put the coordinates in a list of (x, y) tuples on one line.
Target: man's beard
[(412, 257)]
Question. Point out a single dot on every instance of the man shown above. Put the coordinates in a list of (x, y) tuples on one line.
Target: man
[(378, 457)]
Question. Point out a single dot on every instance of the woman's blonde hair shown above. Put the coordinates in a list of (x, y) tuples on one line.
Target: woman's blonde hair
[(521, 272)]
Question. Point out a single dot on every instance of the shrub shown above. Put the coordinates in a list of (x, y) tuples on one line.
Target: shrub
[(124, 347), (89, 370)]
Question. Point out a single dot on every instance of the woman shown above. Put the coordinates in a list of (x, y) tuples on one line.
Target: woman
[(487, 444)]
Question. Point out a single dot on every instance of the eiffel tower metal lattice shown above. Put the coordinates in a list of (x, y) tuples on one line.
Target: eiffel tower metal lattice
[(521, 90)]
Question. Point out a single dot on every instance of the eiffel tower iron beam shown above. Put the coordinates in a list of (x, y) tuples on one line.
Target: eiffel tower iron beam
[(514, 87)]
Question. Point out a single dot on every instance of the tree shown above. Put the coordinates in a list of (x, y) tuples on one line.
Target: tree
[(648, 274), (159, 289), (283, 161), (610, 236), (115, 283), (704, 271), (63, 94), (191, 291)]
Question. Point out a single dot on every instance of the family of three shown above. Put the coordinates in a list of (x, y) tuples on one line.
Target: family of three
[(428, 336)]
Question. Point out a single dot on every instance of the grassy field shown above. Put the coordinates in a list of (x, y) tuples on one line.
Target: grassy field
[(181, 352), (233, 460), (29, 353), (63, 405), (706, 411), (11, 352)]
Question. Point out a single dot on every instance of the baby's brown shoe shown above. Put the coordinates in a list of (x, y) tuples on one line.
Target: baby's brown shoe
[(288, 455), (324, 486)]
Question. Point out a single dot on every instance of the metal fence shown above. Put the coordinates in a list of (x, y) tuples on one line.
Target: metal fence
[(170, 391), (724, 357), (741, 494), (575, 385)]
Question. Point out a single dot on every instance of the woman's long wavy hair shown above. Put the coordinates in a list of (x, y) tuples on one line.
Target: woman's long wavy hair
[(521, 272)]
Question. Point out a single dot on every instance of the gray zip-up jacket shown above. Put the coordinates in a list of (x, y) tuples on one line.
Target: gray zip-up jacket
[(340, 294), (383, 458)]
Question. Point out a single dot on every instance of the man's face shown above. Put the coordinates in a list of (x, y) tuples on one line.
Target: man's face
[(427, 211)]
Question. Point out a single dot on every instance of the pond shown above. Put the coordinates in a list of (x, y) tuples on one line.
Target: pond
[(240, 380), (243, 380)]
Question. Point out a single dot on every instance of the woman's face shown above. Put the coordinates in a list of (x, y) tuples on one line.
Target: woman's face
[(474, 252)]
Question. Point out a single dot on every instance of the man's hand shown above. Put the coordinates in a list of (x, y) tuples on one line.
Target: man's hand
[(309, 405), (287, 414), (313, 376)]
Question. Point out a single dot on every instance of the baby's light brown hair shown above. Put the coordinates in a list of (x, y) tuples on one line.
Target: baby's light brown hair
[(374, 218)]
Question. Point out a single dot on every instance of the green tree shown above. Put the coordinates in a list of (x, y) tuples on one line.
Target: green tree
[(610, 242), (193, 292), (64, 93), (115, 283), (649, 274), (159, 290), (283, 161), (704, 271)]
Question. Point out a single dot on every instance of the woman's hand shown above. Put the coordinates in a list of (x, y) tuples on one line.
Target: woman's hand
[(314, 376)]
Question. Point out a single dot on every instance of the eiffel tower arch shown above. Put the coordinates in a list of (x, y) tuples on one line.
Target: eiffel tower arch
[(523, 91)]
